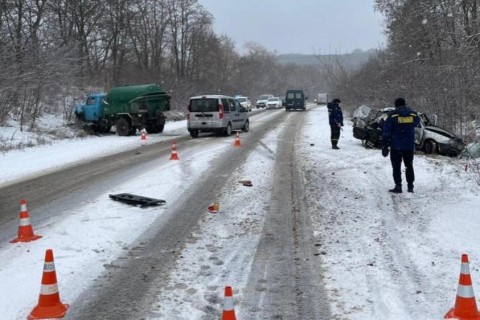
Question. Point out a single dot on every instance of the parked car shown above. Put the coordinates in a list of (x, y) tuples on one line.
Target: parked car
[(262, 100), (216, 113), (245, 102), (295, 99), (368, 124), (274, 103)]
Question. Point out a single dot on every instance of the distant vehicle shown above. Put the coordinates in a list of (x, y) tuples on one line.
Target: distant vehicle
[(262, 100), (295, 99), (245, 102), (368, 125), (216, 113), (322, 98), (128, 108), (274, 103)]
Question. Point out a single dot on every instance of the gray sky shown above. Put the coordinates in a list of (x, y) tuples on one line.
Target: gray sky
[(299, 26)]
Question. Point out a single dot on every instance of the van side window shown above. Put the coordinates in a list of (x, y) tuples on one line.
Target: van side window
[(226, 105), (231, 103), (238, 106)]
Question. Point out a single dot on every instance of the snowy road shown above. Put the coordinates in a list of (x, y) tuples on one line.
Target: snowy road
[(131, 283), (317, 236), (279, 260)]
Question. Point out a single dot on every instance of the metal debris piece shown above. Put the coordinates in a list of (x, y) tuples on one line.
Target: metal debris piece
[(246, 183), (136, 200)]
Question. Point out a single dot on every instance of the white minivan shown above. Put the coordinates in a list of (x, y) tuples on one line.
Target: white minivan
[(216, 113)]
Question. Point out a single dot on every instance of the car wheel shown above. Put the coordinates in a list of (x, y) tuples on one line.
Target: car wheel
[(246, 126), (430, 147), (228, 130), (194, 133)]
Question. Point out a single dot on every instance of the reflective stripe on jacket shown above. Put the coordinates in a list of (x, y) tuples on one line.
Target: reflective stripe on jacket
[(399, 129)]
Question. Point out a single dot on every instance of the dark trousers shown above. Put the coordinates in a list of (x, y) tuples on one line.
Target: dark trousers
[(396, 157), (334, 134)]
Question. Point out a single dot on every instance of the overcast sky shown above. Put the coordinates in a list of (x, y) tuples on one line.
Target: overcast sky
[(299, 26)]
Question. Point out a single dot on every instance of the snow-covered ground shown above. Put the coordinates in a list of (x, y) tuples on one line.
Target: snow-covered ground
[(385, 256)]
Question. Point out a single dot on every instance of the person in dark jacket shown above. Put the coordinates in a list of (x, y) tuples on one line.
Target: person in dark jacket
[(398, 138), (335, 119)]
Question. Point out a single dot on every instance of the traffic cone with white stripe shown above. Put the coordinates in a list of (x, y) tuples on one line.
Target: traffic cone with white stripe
[(144, 135), (237, 140), (174, 155), (49, 304), (25, 230), (465, 304), (228, 311)]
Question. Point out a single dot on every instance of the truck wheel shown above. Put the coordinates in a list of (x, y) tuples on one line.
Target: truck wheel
[(158, 128), (123, 127), (228, 130), (106, 129)]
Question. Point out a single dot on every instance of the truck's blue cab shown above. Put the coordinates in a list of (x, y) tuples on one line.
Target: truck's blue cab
[(92, 110)]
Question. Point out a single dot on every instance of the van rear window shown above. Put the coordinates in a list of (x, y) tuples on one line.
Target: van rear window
[(204, 105), (295, 95)]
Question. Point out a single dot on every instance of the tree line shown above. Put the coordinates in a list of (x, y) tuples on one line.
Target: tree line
[(56, 51), (432, 58)]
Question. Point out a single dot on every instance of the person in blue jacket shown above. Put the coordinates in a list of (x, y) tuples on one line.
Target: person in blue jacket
[(398, 138), (335, 119)]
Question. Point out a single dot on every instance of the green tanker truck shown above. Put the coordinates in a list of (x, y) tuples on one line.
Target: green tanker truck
[(128, 108)]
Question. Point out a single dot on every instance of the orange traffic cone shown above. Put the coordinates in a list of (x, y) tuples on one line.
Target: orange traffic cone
[(228, 311), (143, 136), (214, 208), (173, 155), (237, 140), (25, 230), (465, 305), (49, 304)]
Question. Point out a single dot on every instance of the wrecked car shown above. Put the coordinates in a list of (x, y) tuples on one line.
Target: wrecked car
[(429, 138)]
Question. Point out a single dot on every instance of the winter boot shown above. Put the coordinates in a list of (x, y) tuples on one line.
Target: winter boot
[(335, 147), (410, 188), (397, 189)]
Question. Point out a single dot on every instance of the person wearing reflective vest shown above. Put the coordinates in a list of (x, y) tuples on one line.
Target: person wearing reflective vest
[(398, 139)]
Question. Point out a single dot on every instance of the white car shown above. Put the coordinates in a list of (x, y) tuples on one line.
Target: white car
[(274, 103), (245, 102), (262, 100), (216, 113)]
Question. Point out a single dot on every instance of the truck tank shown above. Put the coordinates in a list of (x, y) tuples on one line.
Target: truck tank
[(137, 107)]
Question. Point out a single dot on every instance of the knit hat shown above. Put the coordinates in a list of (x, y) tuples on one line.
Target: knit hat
[(336, 100), (399, 102)]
